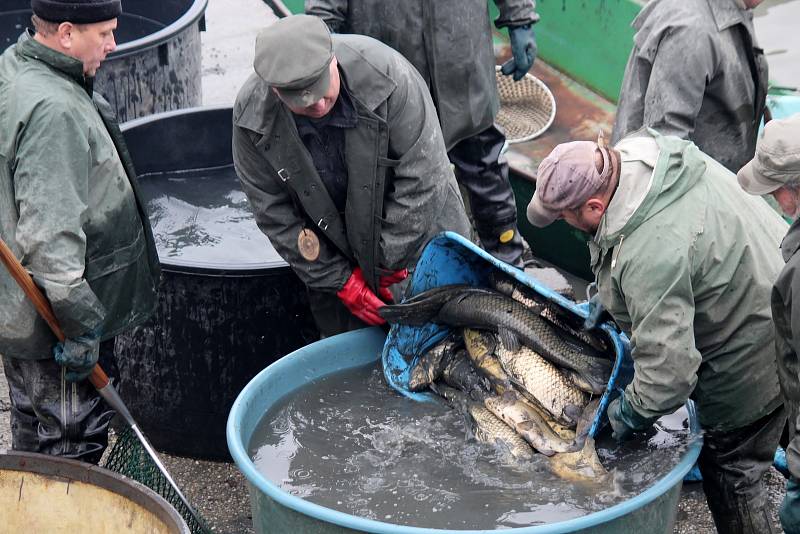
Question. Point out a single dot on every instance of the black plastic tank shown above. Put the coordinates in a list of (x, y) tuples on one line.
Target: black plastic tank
[(157, 64), (228, 305)]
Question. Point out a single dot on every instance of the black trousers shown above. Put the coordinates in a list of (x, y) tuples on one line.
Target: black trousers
[(52, 416), (483, 172), (733, 465)]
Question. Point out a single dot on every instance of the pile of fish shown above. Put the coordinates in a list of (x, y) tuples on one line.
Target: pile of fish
[(522, 372)]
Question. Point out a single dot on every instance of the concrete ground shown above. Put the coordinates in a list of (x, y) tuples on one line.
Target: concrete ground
[(218, 489)]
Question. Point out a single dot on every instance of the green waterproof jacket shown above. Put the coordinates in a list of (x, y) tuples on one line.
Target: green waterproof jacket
[(401, 189), (685, 261), (68, 205), (448, 41), (696, 72), (786, 312)]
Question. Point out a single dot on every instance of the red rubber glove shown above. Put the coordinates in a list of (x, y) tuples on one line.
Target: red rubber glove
[(390, 279), (360, 299)]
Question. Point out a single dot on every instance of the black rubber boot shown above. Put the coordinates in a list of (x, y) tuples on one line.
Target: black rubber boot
[(482, 170), (733, 465), (52, 416)]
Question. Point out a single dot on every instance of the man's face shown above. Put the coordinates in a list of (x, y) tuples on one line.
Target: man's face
[(324, 105), (587, 217), (91, 43), (583, 219), (752, 4), (788, 201)]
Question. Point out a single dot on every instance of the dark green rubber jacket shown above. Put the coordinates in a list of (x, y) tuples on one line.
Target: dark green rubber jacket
[(696, 71), (685, 261), (448, 41), (69, 208), (786, 312), (401, 189)]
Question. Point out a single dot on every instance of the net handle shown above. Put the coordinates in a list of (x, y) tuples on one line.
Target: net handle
[(98, 378)]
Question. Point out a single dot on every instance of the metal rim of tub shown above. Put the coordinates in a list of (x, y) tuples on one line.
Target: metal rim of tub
[(254, 477), (167, 33), (130, 489), (207, 268)]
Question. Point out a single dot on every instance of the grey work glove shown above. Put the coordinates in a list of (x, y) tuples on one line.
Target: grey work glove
[(523, 47), (78, 355), (624, 419)]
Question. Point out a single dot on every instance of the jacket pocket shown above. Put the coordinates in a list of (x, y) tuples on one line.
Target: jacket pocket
[(115, 260)]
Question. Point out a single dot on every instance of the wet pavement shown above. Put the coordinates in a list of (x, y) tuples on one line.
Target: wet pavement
[(218, 489)]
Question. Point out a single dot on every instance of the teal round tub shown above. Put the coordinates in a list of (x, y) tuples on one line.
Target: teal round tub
[(276, 511)]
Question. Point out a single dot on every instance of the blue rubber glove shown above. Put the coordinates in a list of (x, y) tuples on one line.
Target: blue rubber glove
[(624, 420), (523, 47), (78, 355), (790, 508)]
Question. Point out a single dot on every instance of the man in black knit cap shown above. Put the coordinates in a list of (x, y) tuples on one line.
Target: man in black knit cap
[(69, 211)]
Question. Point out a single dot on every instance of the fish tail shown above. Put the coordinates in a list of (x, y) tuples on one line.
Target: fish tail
[(419, 309)]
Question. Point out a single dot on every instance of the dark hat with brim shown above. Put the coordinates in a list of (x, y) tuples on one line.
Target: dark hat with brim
[(301, 76), (77, 11)]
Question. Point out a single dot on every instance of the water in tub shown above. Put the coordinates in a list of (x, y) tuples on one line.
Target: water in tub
[(349, 443)]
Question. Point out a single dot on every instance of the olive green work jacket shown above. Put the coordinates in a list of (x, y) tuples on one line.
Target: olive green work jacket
[(685, 261), (786, 312), (448, 41), (69, 208), (401, 189)]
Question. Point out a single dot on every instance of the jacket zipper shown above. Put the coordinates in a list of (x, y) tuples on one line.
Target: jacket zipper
[(615, 255)]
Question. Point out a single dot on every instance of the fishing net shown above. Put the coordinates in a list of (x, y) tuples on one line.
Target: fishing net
[(129, 458), (527, 107)]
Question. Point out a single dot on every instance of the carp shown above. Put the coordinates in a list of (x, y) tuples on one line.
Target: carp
[(484, 425), (464, 306), (429, 366), (528, 422), (543, 383)]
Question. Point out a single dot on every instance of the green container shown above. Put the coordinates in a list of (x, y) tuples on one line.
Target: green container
[(276, 511), (559, 243)]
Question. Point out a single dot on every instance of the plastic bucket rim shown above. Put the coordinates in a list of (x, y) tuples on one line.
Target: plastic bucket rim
[(208, 268), (196, 10), (261, 483)]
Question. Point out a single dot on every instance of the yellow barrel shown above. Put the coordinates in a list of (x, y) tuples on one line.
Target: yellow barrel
[(41, 493)]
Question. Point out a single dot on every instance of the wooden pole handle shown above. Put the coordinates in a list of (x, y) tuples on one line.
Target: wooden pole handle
[(98, 378)]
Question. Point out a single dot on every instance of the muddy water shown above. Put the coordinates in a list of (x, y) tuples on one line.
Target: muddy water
[(349, 443), (202, 218), (777, 23)]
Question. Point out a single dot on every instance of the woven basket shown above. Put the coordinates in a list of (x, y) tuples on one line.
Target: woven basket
[(527, 107)]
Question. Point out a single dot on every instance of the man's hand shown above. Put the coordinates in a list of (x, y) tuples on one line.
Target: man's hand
[(388, 280), (624, 420), (523, 47), (360, 300), (78, 355)]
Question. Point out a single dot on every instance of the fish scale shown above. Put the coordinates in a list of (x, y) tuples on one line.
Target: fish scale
[(544, 383)]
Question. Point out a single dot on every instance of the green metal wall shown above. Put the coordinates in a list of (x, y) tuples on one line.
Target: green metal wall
[(589, 40)]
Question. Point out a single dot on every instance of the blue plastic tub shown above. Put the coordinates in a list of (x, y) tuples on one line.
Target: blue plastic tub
[(276, 511)]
